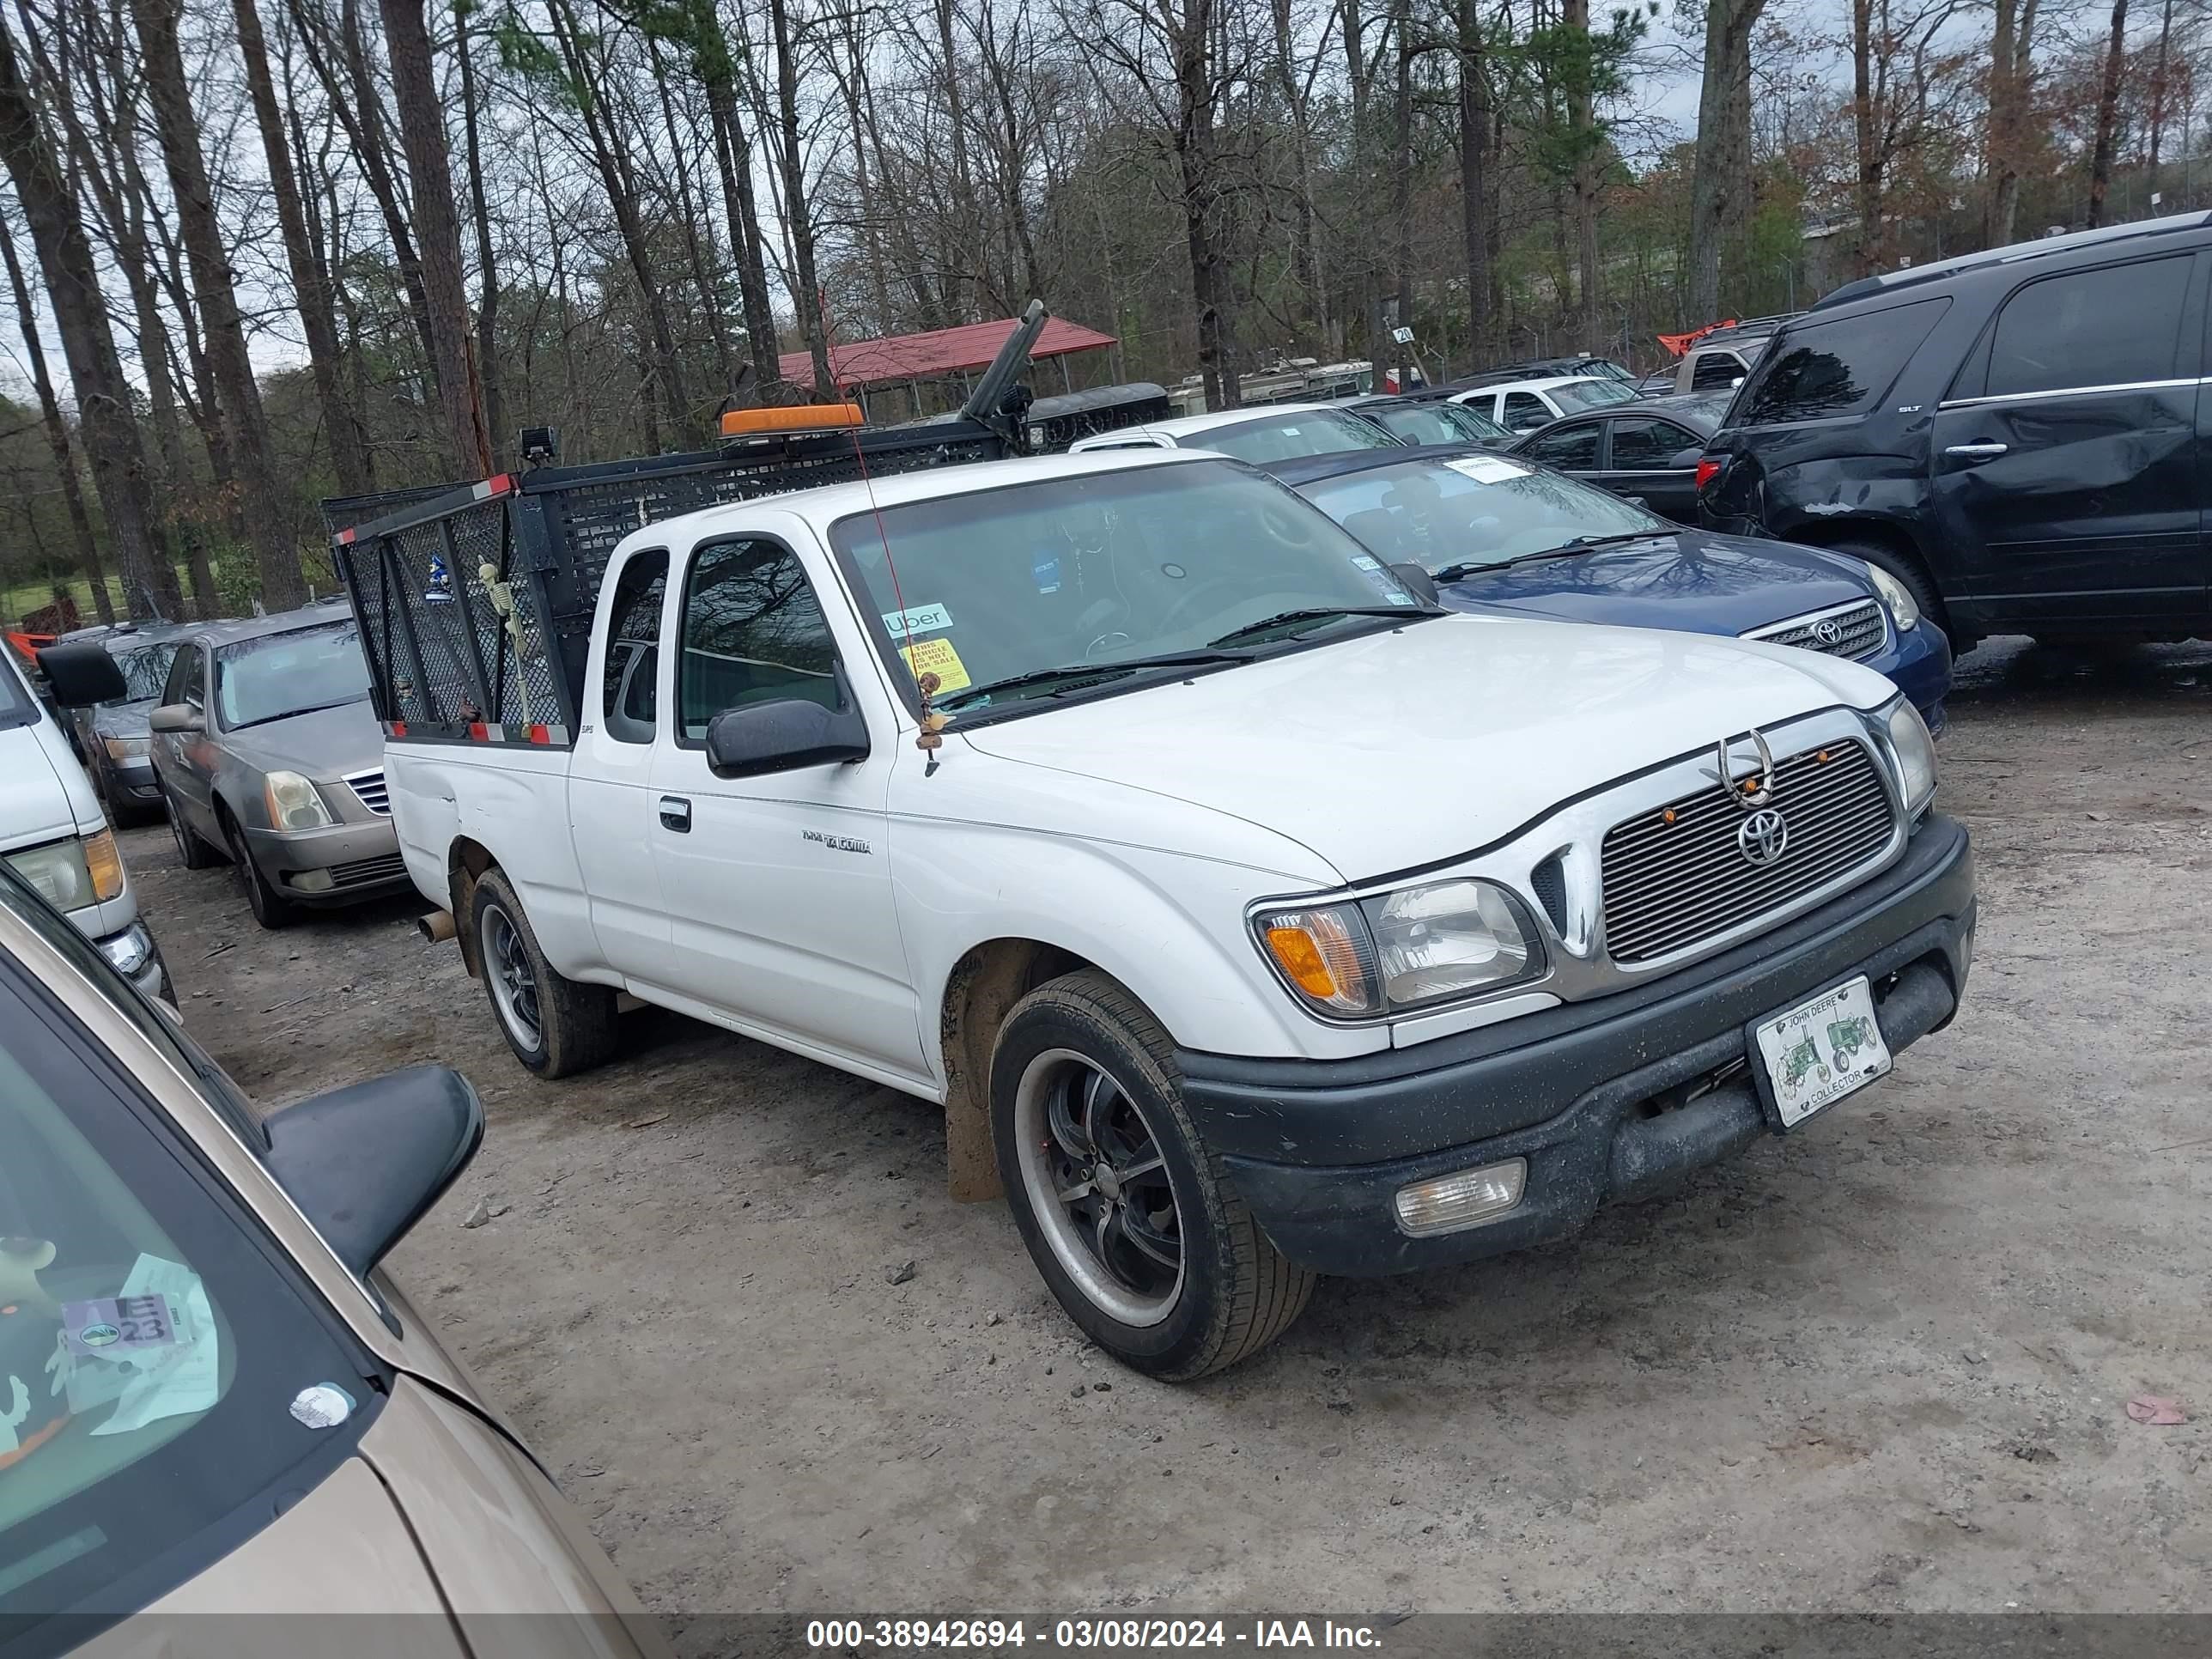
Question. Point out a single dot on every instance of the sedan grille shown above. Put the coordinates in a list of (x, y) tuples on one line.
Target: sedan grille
[(1681, 873), (363, 871), (1857, 630), (369, 787)]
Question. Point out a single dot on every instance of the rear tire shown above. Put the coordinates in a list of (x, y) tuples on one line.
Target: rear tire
[(1128, 1215), (270, 907), (192, 852), (1908, 570), (556, 1025)]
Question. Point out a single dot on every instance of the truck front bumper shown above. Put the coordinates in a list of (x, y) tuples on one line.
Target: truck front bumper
[(1609, 1100)]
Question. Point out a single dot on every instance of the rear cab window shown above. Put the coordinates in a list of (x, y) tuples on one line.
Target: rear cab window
[(1834, 370)]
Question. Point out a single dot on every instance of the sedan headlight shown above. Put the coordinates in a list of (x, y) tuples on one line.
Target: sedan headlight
[(71, 874), (1904, 608), (1915, 754), (1404, 950), (124, 749), (294, 803)]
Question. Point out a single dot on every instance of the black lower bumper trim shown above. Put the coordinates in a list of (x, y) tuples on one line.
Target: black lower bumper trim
[(1592, 1095)]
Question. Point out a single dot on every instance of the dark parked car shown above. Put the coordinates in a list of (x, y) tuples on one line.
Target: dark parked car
[(1433, 418), (1535, 368), (113, 737), (1500, 534), (2018, 435), (1648, 450)]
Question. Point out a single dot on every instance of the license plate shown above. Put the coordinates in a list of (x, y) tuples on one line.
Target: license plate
[(1822, 1050)]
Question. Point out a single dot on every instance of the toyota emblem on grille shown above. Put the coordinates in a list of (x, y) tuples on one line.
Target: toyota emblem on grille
[(1762, 836), (1828, 631)]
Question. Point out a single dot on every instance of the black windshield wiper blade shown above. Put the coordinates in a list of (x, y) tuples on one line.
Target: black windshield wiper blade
[(1316, 613), (1452, 572), (1075, 675), (291, 713)]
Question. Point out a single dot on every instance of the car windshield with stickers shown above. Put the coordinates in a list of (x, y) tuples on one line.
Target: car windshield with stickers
[(1089, 585), (150, 1350), (1470, 513)]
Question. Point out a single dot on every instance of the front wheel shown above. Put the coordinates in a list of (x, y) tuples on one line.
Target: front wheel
[(556, 1026), (270, 907), (1128, 1215)]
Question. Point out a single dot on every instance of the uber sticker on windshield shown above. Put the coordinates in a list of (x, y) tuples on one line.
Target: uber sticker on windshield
[(917, 619), (1046, 573), (1489, 469), (938, 658)]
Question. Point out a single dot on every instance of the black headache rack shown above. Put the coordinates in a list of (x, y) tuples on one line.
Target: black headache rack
[(475, 601)]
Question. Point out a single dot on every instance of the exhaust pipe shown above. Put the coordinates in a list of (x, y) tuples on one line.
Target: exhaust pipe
[(436, 927)]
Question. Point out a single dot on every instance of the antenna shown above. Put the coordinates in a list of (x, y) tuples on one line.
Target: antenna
[(931, 737)]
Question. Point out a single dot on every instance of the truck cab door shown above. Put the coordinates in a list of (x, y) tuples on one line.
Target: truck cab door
[(2065, 462), (610, 809), (779, 886)]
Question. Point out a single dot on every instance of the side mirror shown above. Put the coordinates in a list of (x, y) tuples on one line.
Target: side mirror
[(83, 674), (1417, 582), (176, 717), (364, 1163), (785, 736), (1685, 460)]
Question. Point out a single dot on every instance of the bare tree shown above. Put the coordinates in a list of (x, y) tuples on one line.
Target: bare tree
[(2108, 107), (1720, 195)]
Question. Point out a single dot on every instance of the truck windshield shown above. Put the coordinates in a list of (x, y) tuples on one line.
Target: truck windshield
[(294, 672), (1106, 569)]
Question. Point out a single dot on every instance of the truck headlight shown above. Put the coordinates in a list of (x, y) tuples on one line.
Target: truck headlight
[(124, 749), (1904, 608), (71, 874), (1915, 754), (294, 803), (1403, 950)]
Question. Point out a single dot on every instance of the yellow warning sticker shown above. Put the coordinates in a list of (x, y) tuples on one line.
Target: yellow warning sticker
[(938, 658)]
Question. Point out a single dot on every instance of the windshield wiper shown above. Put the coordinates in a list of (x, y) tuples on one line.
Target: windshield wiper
[(1566, 549), (1317, 613), (1073, 676), (288, 714)]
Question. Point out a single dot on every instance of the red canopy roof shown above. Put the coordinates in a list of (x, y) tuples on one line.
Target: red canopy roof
[(942, 351)]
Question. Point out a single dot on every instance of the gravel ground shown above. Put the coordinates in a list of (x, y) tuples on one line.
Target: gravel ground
[(1880, 1365)]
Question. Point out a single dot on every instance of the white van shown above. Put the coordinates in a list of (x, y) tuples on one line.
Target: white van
[(52, 831)]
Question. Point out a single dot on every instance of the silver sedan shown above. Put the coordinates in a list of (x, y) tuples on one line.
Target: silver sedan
[(267, 751)]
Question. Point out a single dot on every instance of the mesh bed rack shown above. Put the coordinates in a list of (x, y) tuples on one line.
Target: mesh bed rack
[(475, 601)]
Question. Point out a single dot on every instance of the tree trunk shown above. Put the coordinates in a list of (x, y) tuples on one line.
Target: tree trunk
[(2001, 141), (430, 176), (1476, 183), (807, 301), (1866, 127), (2158, 97), (261, 503), (2108, 107), (1582, 135), (105, 419), (964, 249), (1355, 64), (696, 247), (1195, 96), (58, 438), (733, 160), (495, 409), (1305, 248), (1401, 190), (1721, 187), (348, 455)]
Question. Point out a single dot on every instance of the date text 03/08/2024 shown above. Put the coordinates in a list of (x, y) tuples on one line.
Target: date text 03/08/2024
[(1002, 1635)]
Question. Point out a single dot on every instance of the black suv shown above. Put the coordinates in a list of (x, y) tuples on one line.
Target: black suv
[(2018, 435)]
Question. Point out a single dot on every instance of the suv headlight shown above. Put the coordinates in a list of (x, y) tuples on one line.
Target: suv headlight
[(1915, 754), (71, 874), (1402, 951), (293, 804), (1904, 608)]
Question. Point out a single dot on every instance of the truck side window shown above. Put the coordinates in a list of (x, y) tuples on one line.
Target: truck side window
[(753, 632), (1716, 371), (629, 702)]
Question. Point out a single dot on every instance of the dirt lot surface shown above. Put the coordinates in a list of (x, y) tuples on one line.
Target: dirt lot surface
[(1882, 1364)]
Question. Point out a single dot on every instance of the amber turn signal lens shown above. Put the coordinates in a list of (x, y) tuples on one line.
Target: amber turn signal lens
[(1301, 957), (104, 865)]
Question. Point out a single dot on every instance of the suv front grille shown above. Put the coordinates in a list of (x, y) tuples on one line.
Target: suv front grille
[(1857, 630), (369, 787), (1669, 885)]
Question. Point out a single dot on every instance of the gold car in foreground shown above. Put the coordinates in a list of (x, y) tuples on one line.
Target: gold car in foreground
[(214, 1408)]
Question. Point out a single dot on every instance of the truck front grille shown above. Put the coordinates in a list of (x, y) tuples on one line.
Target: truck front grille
[(1857, 630), (1678, 874)]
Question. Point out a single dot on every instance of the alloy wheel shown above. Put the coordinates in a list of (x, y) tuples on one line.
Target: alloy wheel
[(514, 986)]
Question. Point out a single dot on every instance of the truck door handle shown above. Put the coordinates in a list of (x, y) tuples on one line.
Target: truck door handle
[(676, 814), (1976, 452)]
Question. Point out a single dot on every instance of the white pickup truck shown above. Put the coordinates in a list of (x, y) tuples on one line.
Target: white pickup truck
[(1252, 918)]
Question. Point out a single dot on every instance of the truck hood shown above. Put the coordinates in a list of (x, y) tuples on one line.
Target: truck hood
[(1405, 748), (323, 744), (1690, 579), (37, 803)]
